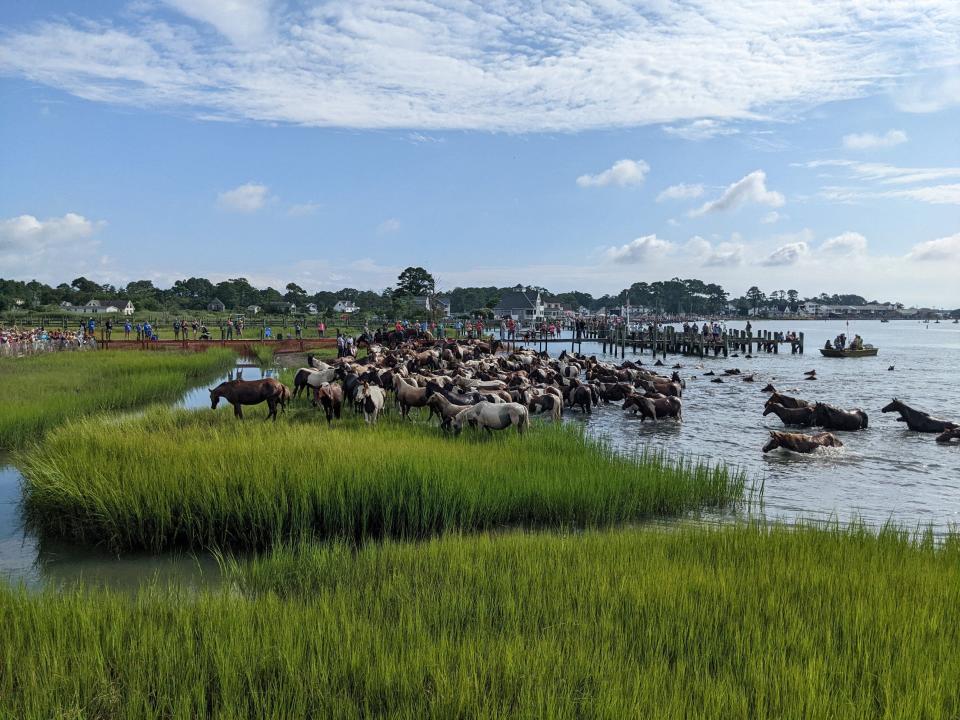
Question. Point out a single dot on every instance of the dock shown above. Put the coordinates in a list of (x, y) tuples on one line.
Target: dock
[(670, 342)]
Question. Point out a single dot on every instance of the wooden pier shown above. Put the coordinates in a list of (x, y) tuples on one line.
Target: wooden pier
[(668, 341)]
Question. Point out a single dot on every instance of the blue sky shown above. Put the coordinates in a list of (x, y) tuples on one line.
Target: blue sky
[(582, 146)]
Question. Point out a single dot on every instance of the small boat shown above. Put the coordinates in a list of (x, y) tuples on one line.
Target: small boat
[(884, 320), (865, 351)]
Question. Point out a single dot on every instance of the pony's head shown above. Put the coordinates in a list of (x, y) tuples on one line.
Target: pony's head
[(772, 444), (891, 407), (214, 399), (768, 408)]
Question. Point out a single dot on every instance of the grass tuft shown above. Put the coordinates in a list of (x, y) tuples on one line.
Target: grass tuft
[(202, 479)]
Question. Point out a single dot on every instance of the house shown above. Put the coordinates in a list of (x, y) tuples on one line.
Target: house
[(524, 307), (443, 306), (810, 308), (311, 308), (345, 306), (97, 306), (216, 305), (552, 310), (435, 305), (253, 309)]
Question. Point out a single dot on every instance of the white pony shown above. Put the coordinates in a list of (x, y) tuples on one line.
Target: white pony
[(493, 416), (372, 399)]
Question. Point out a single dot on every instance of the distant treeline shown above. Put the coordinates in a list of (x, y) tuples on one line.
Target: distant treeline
[(194, 294)]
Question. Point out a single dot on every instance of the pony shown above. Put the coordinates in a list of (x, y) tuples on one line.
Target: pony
[(790, 416), (492, 416), (948, 435), (330, 398), (372, 401), (918, 420), (834, 418), (546, 403), (655, 408), (787, 401), (444, 409), (311, 377), (408, 395), (250, 392), (799, 442)]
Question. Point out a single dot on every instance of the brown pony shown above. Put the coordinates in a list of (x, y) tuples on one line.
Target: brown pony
[(331, 398), (250, 392), (800, 442)]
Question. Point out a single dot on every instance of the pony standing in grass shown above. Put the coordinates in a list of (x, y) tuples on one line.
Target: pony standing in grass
[(250, 392), (493, 416)]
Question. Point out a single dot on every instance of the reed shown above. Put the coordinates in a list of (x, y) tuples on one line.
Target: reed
[(263, 354), (43, 391), (202, 479), (744, 621)]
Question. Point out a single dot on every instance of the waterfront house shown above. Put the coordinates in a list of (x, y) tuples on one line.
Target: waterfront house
[(216, 305), (524, 307)]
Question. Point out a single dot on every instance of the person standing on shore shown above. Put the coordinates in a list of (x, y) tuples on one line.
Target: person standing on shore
[(126, 330), (176, 328), (229, 329), (298, 330), (108, 327), (321, 328)]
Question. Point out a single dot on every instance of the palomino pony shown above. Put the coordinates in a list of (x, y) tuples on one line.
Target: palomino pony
[(250, 392), (493, 416), (799, 442)]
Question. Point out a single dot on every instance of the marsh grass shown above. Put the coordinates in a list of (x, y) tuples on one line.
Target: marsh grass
[(44, 391), (202, 479), (731, 622), (263, 354)]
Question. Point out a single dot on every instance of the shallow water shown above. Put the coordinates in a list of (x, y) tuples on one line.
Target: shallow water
[(24, 558), (883, 473)]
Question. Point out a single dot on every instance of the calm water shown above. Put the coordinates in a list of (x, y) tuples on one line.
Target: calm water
[(883, 473)]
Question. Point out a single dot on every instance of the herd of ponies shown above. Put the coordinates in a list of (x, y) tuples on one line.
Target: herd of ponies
[(468, 383)]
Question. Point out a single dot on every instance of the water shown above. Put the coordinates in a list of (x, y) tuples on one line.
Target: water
[(25, 558), (883, 473)]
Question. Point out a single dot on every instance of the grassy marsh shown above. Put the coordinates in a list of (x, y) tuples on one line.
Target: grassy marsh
[(738, 621), (202, 479), (46, 390)]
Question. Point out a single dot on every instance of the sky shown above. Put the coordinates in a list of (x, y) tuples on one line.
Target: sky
[(573, 145)]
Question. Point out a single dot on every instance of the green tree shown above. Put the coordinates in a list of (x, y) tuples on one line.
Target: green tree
[(415, 281), (755, 297)]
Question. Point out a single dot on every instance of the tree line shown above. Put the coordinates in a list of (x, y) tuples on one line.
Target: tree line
[(674, 296)]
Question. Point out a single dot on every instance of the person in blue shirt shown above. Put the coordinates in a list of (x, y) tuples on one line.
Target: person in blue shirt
[(126, 330), (91, 326), (268, 332)]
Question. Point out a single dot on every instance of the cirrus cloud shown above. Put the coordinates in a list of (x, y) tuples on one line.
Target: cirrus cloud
[(872, 141)]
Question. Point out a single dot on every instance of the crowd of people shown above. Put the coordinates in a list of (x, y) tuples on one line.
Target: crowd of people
[(16, 342)]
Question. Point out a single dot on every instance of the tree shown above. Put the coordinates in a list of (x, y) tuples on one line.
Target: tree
[(295, 295), (792, 296), (415, 281), (756, 297)]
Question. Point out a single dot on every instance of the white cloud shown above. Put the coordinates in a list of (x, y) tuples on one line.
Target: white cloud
[(680, 192), (751, 188), (303, 209), (243, 22), (847, 243), (697, 130), (887, 174), (931, 194), (771, 217), (725, 254), (509, 65), (934, 92), (789, 254), (390, 225), (622, 173), (945, 248), (27, 233), (246, 198), (643, 249), (871, 141)]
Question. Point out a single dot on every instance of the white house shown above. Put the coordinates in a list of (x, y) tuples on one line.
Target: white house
[(552, 310), (345, 306), (100, 306), (311, 308), (253, 309)]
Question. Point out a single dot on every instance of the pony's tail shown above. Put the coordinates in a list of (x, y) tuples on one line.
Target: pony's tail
[(524, 423), (864, 426)]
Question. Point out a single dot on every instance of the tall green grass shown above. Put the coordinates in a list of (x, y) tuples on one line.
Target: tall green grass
[(738, 622), (176, 478), (263, 353), (44, 391)]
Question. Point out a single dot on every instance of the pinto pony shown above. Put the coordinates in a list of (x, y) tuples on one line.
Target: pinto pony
[(493, 416)]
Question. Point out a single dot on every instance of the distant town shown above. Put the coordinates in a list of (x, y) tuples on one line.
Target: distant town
[(415, 296)]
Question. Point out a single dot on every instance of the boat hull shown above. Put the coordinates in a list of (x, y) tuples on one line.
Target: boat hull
[(834, 353)]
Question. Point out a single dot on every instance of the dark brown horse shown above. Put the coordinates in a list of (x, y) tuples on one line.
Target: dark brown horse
[(655, 408), (250, 392), (799, 442), (790, 416), (787, 401), (918, 420), (834, 418), (948, 435)]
